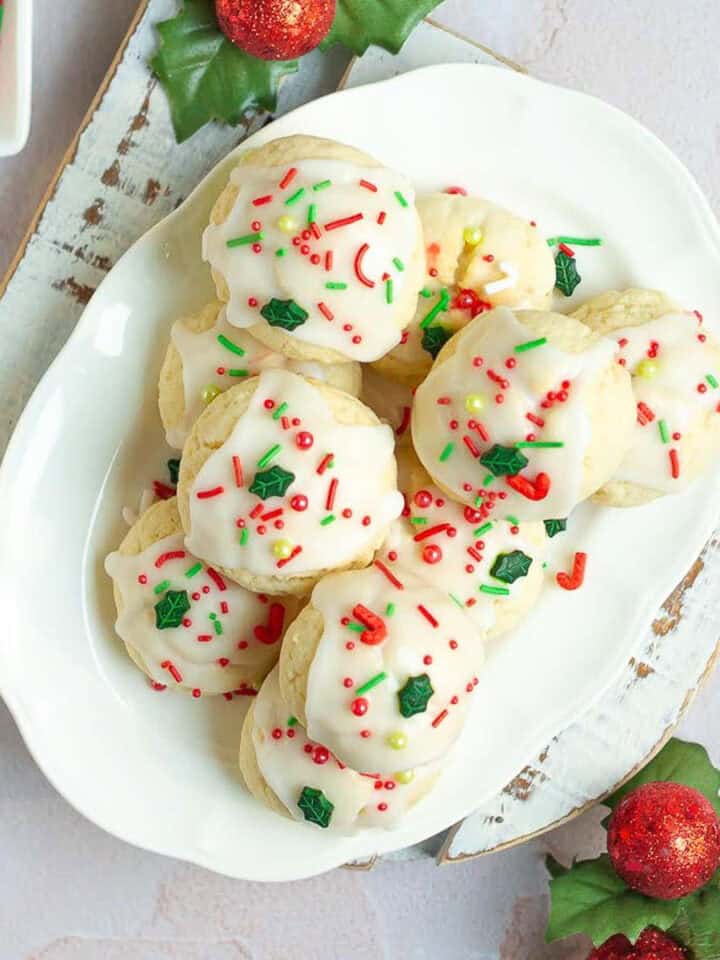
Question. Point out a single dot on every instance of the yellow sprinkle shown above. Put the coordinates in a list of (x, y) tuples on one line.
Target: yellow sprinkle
[(287, 224), (474, 402), (396, 740), (647, 369), (208, 394), (404, 776), (472, 236), (282, 549)]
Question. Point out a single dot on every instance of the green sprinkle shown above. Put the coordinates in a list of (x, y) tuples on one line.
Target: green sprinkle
[(323, 185), (312, 214), (664, 432), (334, 285), (269, 455), (488, 480), (478, 501), (161, 586), (577, 241), (511, 519), (447, 451), (457, 601), (493, 591), (483, 529), (426, 292), (544, 566), (295, 197), (401, 199), (328, 519), (245, 240), (540, 444), (389, 609), (229, 345), (712, 381), (292, 721), (357, 627), (399, 265), (389, 290), (280, 252), (212, 616), (439, 307), (279, 411), (237, 372), (244, 535), (372, 682), (193, 570), (418, 520), (530, 344), (218, 627)]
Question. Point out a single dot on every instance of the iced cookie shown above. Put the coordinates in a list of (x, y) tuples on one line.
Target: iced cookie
[(478, 256), (381, 668), (206, 356), (529, 404), (283, 479), (675, 366), (300, 778), (182, 622), (317, 250), (491, 567)]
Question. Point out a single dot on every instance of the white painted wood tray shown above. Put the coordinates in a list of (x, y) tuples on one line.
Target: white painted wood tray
[(122, 175)]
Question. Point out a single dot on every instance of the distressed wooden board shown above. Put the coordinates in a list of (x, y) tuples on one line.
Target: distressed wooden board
[(121, 175)]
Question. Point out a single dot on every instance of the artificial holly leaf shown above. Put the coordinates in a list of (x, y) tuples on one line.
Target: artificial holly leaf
[(208, 78), (387, 23), (566, 275), (697, 926), (284, 313), (591, 898), (553, 527), (272, 482), (678, 762), (414, 696), (509, 567), (169, 611), (503, 461), (434, 339), (173, 469), (315, 806)]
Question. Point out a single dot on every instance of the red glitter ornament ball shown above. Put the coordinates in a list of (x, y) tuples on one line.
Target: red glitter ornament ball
[(652, 944), (275, 29), (664, 840)]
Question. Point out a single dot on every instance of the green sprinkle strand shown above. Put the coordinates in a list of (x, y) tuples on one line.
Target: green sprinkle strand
[(244, 536), (389, 291), (161, 587), (483, 529), (312, 214), (323, 185), (440, 307), (664, 432), (336, 285), (389, 609), (328, 519), (237, 372), (418, 520), (269, 455), (530, 344), (576, 241), (513, 520), (399, 265), (488, 480), (245, 240), (372, 682), (280, 252), (712, 381), (229, 345), (457, 601), (292, 721), (218, 627), (494, 591), (357, 627), (539, 444), (401, 199), (295, 197), (193, 570), (447, 452), (279, 411)]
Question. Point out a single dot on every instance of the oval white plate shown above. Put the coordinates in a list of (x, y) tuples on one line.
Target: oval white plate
[(159, 770)]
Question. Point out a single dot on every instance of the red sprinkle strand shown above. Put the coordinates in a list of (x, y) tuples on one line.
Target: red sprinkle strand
[(332, 489), (172, 670), (326, 311), (238, 471), (260, 201), (162, 490), (344, 221), (644, 414), (329, 261), (216, 579), (431, 531), (368, 185), (674, 464), (288, 178), (170, 555), (286, 560), (471, 447), (323, 465), (526, 488), (359, 273), (428, 616), (439, 718), (404, 423), (575, 579), (538, 421), (206, 494), (389, 574)]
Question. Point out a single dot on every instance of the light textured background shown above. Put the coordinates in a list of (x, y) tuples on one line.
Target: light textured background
[(69, 891)]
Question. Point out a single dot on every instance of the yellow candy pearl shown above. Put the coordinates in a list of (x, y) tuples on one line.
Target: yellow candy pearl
[(287, 224), (647, 369), (396, 740), (474, 402), (472, 236), (404, 776), (208, 393), (282, 549)]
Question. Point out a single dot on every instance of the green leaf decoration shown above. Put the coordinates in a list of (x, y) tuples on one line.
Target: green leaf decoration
[(315, 806), (169, 611), (509, 567), (284, 313), (434, 339), (174, 470), (414, 696), (553, 527), (697, 926), (387, 23), (503, 461), (566, 275), (592, 899), (272, 482), (208, 78)]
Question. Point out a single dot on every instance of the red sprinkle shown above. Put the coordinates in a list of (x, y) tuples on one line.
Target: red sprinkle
[(368, 185), (359, 273), (330, 500), (428, 616), (326, 311), (286, 560), (204, 638), (288, 178), (238, 471), (172, 670), (257, 510), (381, 217), (566, 250), (471, 447), (323, 465), (439, 718), (162, 490), (538, 421), (674, 464), (216, 579), (644, 414), (526, 488), (329, 260), (431, 531), (170, 555), (206, 494), (575, 579), (261, 201), (456, 191), (344, 222), (404, 423), (389, 574)]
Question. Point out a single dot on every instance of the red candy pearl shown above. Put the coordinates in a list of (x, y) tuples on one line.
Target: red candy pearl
[(432, 553), (347, 682), (664, 840), (423, 498), (304, 440), (321, 755), (359, 706), (299, 502)]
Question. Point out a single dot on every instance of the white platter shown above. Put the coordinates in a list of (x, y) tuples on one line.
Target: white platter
[(15, 76), (159, 770)]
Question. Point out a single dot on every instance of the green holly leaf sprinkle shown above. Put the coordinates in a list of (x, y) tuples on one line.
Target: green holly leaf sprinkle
[(272, 482), (503, 461), (169, 611), (206, 77), (315, 806), (414, 696), (697, 926), (553, 527), (174, 470), (434, 339), (284, 313), (509, 567), (566, 275), (591, 898), (387, 23)]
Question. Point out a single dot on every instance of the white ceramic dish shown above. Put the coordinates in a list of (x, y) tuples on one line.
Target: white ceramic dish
[(15, 75), (159, 770)]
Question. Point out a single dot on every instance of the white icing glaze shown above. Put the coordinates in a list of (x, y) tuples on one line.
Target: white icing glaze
[(207, 362), (523, 389), (426, 634), (256, 271), (358, 481), (290, 761), (193, 653)]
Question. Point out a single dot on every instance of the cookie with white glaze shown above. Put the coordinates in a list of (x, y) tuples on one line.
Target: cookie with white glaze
[(317, 250), (182, 622), (283, 479), (529, 403), (300, 778), (674, 362), (381, 668), (478, 256), (206, 356)]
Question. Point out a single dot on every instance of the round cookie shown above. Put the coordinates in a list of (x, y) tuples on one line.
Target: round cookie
[(299, 778), (478, 256), (206, 356), (182, 623), (380, 667), (284, 478), (317, 250), (531, 404), (675, 366)]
